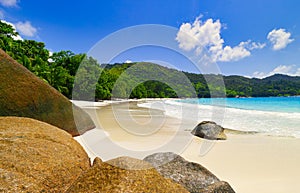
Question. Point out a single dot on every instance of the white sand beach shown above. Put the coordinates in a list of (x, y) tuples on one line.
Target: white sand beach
[(248, 162), (252, 163)]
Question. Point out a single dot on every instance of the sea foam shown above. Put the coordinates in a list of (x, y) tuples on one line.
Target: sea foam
[(265, 122)]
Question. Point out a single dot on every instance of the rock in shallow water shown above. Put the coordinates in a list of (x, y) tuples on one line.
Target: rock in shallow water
[(38, 157), (209, 130), (194, 177)]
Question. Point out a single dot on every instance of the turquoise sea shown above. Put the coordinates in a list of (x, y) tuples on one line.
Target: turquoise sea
[(273, 104), (275, 116)]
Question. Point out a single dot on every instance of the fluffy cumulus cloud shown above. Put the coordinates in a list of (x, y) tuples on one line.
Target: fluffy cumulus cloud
[(207, 34), (9, 3), (279, 38), (291, 70), (26, 29), (231, 54)]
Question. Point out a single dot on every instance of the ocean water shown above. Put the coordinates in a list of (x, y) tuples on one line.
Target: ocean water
[(273, 104), (275, 116)]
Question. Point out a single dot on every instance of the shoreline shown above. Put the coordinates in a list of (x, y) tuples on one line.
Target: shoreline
[(268, 123), (248, 162)]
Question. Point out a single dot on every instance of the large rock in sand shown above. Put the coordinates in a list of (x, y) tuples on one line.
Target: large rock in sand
[(218, 187), (38, 157), (194, 177), (23, 94), (209, 130), (123, 174)]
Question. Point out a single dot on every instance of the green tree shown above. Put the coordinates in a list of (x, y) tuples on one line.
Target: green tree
[(7, 30), (87, 76)]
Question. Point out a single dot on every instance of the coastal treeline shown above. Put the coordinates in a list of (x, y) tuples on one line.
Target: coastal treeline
[(131, 80)]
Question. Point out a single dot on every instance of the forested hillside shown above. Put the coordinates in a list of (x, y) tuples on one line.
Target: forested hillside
[(96, 81), (276, 85)]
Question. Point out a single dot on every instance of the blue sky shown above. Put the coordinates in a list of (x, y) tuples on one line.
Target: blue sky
[(252, 38)]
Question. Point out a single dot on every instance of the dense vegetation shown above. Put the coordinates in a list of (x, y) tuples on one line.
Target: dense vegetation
[(276, 85), (134, 80)]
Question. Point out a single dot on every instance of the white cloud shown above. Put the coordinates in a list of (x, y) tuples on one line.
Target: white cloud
[(279, 38), (26, 29), (9, 3), (128, 61), (283, 69), (254, 45), (14, 27), (50, 59), (207, 34), (291, 70), (259, 74), (231, 54)]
